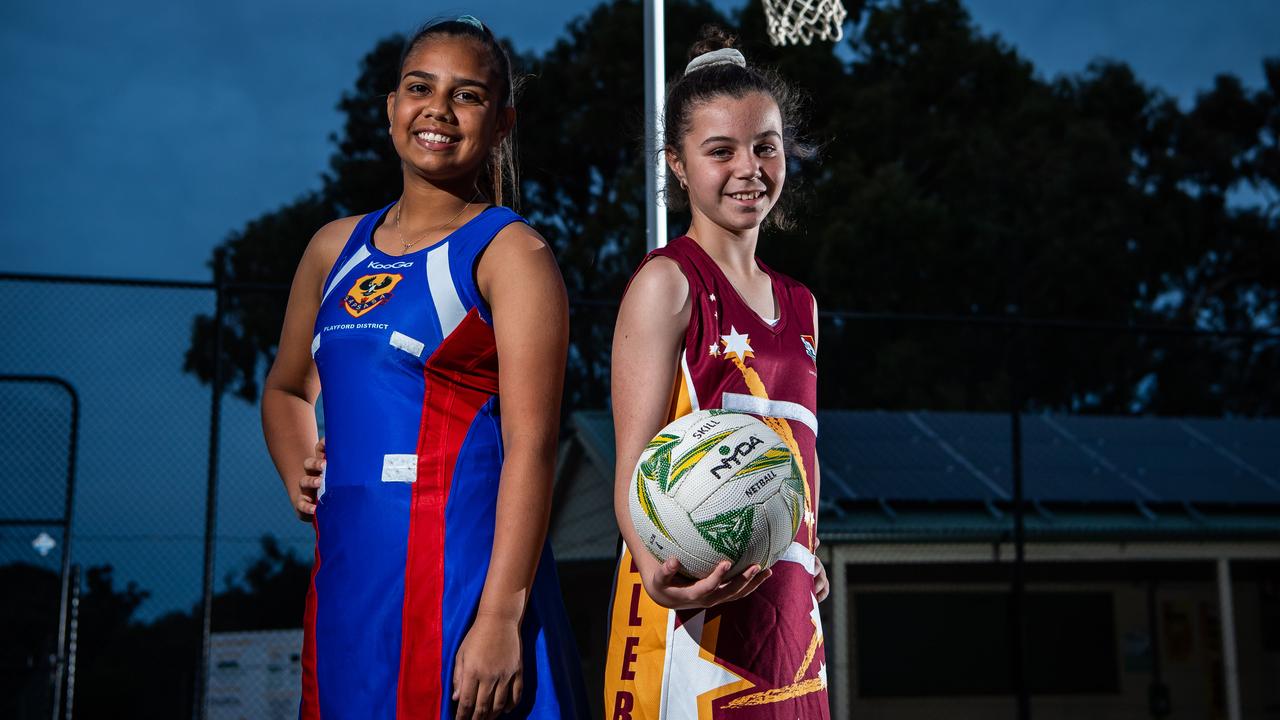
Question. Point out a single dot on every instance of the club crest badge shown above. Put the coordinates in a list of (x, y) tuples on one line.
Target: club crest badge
[(809, 348), (369, 292)]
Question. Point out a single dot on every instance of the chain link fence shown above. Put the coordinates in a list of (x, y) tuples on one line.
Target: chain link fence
[(1116, 610), (35, 505)]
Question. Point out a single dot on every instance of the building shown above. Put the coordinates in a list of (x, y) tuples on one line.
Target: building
[(1138, 533)]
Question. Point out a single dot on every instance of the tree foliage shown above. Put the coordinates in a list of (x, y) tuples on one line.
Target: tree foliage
[(953, 180), (126, 667), (29, 623)]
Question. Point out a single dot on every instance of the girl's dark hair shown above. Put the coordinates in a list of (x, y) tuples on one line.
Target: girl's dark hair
[(500, 174), (705, 84)]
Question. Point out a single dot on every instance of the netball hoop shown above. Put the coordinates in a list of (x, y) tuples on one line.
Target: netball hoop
[(801, 21), (788, 21)]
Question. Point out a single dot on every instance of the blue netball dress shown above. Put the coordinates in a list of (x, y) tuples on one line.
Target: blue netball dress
[(404, 526)]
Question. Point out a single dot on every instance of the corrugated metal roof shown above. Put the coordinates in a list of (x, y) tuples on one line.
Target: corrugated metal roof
[(928, 474), (881, 454), (1250, 445), (948, 457), (961, 525)]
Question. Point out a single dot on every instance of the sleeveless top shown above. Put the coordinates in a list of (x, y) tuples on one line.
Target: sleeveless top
[(761, 656), (404, 526)]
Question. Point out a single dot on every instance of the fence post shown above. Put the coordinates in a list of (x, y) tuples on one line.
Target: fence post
[(1227, 626), (200, 710), (1017, 595), (73, 643)]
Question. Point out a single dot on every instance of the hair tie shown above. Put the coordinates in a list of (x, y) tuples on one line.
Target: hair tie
[(471, 20), (723, 56)]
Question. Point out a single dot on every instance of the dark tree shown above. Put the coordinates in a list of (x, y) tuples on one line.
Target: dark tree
[(268, 594), (128, 668), (29, 625), (953, 180), (582, 186), (582, 152)]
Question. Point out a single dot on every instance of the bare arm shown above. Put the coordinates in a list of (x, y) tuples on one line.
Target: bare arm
[(821, 585), (646, 346), (519, 278), (292, 385), (817, 475)]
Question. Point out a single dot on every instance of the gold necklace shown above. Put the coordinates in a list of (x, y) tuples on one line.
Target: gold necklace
[(400, 233)]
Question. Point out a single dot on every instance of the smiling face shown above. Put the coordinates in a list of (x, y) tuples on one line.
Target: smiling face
[(732, 160), (448, 110)]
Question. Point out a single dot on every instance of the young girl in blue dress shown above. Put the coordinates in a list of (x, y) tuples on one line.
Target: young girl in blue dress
[(433, 593)]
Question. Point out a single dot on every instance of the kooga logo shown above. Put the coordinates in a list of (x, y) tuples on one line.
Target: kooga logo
[(390, 266)]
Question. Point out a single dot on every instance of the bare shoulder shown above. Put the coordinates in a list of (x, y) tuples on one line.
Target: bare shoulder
[(660, 283), (661, 272), (517, 254), (516, 239), (518, 262), (320, 255), (327, 243)]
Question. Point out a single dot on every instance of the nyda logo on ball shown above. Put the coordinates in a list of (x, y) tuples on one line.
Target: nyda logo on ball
[(733, 456)]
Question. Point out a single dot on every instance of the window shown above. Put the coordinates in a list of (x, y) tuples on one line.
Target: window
[(958, 643)]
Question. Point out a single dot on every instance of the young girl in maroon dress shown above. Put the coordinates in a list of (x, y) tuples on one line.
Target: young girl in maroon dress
[(708, 325)]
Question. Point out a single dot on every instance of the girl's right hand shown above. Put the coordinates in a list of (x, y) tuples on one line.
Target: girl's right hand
[(309, 485), (674, 591)]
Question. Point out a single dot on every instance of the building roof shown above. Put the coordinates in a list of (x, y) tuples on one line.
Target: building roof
[(946, 476)]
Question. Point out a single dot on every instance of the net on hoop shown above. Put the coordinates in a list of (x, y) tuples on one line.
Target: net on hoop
[(800, 21)]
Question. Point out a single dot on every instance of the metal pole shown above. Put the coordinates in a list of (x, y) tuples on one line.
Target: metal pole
[(64, 602), (1017, 593), (211, 492), (1157, 692), (838, 672), (67, 513), (1227, 621), (655, 173), (73, 642)]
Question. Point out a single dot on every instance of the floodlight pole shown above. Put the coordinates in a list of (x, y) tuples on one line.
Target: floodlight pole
[(654, 94), (1227, 625)]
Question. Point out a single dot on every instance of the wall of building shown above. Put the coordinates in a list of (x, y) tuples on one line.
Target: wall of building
[(1189, 647)]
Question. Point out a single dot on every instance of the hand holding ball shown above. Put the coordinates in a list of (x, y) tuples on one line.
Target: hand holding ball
[(716, 485)]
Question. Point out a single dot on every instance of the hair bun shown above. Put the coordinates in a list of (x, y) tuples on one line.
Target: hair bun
[(710, 38)]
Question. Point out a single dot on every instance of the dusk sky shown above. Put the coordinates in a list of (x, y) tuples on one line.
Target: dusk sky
[(138, 134)]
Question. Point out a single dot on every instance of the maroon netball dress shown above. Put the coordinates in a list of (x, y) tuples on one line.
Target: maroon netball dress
[(761, 656)]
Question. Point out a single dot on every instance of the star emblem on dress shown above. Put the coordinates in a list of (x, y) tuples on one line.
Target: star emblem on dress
[(712, 297), (808, 516), (697, 673), (736, 343), (713, 350), (815, 616)]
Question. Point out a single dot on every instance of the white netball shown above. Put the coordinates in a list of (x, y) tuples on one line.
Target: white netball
[(717, 485)]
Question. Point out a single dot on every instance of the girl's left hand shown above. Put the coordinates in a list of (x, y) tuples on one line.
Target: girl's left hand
[(487, 671), (820, 585)]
